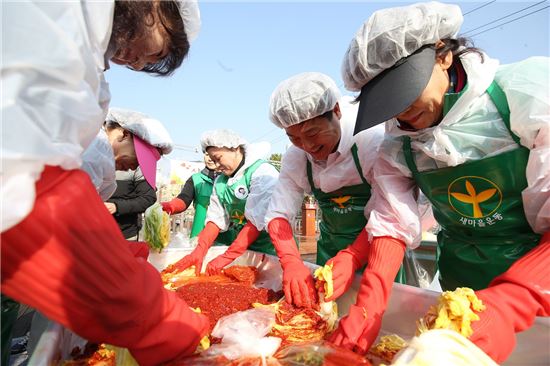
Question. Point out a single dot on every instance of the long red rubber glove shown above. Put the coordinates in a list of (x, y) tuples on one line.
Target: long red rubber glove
[(247, 236), (174, 206), (205, 240), (298, 282), (358, 330), (69, 260), (347, 262), (139, 249), (512, 301)]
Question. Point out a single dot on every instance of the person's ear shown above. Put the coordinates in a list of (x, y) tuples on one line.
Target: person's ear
[(336, 110), (446, 60), (126, 134)]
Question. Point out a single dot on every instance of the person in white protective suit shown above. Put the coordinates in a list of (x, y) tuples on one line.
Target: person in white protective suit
[(238, 202), (474, 136), (326, 160), (62, 251)]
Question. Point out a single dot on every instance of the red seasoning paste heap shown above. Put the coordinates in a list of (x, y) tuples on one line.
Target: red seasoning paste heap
[(225, 294)]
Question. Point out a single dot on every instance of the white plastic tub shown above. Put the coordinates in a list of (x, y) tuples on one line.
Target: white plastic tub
[(406, 305)]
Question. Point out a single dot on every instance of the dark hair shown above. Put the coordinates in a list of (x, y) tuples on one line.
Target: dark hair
[(111, 125), (131, 20), (327, 115), (459, 46), (170, 18)]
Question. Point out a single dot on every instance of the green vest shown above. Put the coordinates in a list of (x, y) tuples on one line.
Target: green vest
[(479, 207), (342, 215), (233, 198), (203, 186)]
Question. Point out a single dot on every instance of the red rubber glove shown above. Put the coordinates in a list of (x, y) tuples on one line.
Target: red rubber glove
[(174, 206), (205, 240), (512, 301), (247, 236), (347, 262), (358, 330), (69, 260), (139, 249), (298, 282)]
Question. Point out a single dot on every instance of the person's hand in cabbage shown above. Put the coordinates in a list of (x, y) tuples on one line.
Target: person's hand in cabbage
[(205, 240)]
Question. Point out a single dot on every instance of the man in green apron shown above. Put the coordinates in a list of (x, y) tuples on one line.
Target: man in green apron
[(238, 202), (472, 135), (198, 189), (332, 164)]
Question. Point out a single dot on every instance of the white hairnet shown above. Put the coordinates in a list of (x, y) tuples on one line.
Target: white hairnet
[(302, 97), (393, 33), (221, 138), (145, 127), (190, 14)]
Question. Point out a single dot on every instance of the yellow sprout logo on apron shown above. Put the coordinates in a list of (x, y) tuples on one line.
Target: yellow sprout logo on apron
[(474, 197), (237, 216), (343, 204)]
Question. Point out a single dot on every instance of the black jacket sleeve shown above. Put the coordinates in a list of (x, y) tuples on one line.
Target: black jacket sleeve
[(141, 197), (187, 192)]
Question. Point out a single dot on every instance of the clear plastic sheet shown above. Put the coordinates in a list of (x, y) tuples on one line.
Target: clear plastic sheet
[(245, 334), (417, 275)]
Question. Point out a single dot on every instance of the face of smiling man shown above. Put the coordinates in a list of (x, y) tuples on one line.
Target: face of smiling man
[(319, 136)]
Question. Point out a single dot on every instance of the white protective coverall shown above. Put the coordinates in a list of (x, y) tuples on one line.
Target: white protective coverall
[(69, 42)]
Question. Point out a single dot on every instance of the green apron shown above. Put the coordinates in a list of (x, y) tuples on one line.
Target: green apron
[(342, 215), (10, 309), (203, 186), (233, 198), (479, 207)]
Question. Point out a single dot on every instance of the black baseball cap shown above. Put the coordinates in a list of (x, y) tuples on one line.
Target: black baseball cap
[(395, 89)]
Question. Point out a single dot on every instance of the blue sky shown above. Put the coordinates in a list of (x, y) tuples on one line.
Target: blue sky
[(245, 49)]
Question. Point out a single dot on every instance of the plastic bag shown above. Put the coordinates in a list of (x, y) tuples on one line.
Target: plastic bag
[(416, 274), (244, 334), (182, 240), (244, 342), (156, 227), (319, 354)]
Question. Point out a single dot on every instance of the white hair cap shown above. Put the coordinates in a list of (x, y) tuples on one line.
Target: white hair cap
[(302, 97), (221, 138), (393, 33), (191, 16), (148, 129)]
